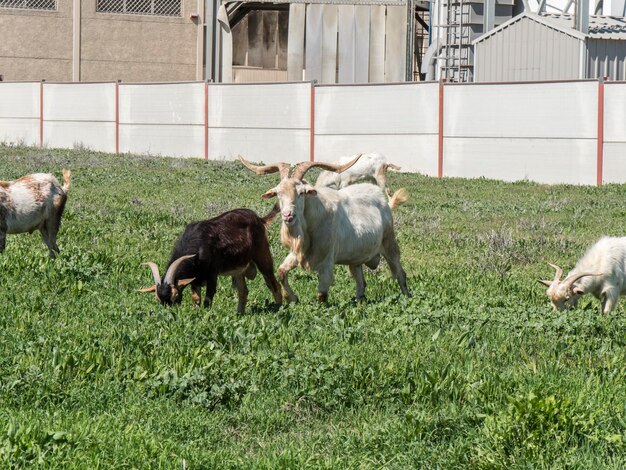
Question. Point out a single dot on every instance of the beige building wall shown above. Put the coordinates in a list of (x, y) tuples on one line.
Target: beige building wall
[(37, 45), (135, 48)]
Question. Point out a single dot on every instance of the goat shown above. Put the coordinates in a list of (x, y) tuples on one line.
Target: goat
[(232, 244), (371, 167), (322, 227), (33, 202), (601, 272)]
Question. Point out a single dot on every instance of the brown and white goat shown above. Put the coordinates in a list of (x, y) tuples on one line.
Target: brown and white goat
[(232, 244), (322, 227), (33, 202)]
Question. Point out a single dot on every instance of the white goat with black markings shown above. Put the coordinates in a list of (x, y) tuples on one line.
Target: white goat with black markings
[(323, 227), (601, 272), (371, 168), (33, 202)]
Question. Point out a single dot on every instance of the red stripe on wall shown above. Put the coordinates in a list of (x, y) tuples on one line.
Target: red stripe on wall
[(41, 113), (117, 117), (600, 156), (440, 142), (206, 121), (312, 136)]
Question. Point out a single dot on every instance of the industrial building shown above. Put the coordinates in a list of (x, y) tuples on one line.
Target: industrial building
[(329, 41), (101, 40), (598, 50)]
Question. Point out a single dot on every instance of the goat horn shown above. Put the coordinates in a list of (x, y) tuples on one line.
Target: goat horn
[(282, 168), (155, 272), (575, 277), (559, 272), (171, 271), (303, 167)]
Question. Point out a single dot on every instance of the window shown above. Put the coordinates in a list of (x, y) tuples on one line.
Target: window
[(30, 4), (140, 7)]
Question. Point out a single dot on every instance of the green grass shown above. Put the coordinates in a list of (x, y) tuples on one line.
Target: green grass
[(473, 371)]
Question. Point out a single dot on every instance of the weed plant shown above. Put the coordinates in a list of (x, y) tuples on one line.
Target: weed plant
[(473, 371)]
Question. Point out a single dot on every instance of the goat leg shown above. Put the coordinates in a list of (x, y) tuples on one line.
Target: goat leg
[(211, 289), (391, 252), (357, 274), (48, 240), (196, 294), (265, 264), (242, 289), (291, 261), (325, 281), (609, 300)]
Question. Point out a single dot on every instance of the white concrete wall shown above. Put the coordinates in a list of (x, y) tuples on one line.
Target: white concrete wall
[(399, 121), (162, 119), (19, 113), (267, 122), (614, 132), (79, 115), (545, 132)]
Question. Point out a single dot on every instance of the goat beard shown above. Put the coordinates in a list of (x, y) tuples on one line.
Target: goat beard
[(295, 238)]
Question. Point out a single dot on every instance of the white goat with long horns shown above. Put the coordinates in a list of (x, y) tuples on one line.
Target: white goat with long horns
[(601, 272), (323, 227)]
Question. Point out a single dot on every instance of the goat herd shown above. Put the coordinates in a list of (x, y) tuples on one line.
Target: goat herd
[(345, 218)]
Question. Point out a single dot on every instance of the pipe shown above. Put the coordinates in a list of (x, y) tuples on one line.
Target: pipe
[(76, 32)]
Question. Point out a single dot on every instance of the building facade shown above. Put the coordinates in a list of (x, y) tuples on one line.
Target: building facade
[(330, 41), (551, 47), (102, 40)]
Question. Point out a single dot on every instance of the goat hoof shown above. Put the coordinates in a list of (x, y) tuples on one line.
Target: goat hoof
[(322, 297)]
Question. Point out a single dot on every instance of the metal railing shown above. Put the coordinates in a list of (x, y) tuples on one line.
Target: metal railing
[(50, 5), (140, 7)]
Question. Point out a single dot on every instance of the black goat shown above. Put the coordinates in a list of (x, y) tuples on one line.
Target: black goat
[(232, 244)]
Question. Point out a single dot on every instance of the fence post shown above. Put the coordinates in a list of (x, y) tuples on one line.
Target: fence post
[(312, 126), (600, 152), (440, 132), (206, 120), (41, 113)]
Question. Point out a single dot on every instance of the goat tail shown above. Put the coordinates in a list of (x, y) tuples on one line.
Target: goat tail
[(398, 198), (67, 174), (269, 218)]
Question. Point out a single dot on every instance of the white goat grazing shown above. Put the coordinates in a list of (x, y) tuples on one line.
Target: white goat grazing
[(33, 202), (601, 272), (371, 167), (323, 227)]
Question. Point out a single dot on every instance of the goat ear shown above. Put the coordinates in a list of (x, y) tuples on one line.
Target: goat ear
[(148, 289), (578, 291), (270, 194), (545, 283), (184, 282)]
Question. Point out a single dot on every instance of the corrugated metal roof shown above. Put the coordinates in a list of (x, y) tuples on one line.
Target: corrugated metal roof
[(600, 27)]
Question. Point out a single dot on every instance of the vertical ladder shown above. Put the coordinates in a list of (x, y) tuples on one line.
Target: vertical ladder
[(454, 64)]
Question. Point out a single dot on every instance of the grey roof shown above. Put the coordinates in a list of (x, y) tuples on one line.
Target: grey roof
[(600, 27)]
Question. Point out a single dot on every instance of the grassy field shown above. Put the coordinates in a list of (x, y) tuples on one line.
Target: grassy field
[(473, 371)]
